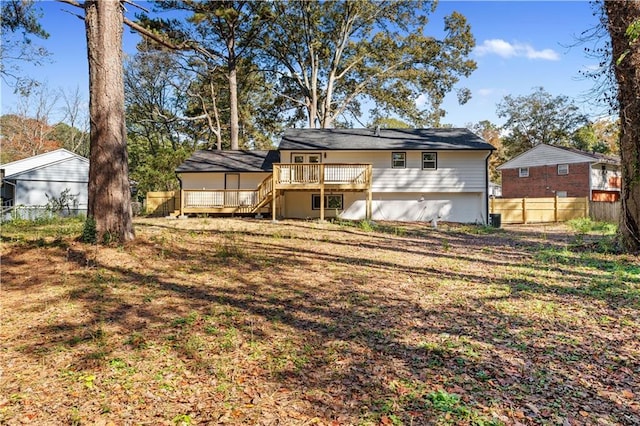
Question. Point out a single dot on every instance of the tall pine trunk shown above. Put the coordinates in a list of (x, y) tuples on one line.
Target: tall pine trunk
[(626, 63), (233, 108), (109, 193)]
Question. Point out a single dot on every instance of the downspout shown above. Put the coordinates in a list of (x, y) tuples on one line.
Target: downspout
[(486, 189)]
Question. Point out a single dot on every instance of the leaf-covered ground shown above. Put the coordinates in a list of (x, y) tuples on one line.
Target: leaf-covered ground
[(239, 321)]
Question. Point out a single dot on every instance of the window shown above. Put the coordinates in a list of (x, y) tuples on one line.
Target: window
[(561, 194), (563, 169), (398, 160), (331, 201), (429, 161), (523, 172)]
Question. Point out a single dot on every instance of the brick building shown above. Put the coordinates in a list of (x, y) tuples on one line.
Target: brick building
[(549, 171)]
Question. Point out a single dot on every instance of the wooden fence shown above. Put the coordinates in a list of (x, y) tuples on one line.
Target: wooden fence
[(603, 211), (162, 203), (539, 210)]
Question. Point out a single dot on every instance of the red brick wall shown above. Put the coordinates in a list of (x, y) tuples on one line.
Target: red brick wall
[(544, 180)]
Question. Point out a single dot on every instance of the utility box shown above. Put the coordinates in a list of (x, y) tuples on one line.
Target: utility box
[(495, 220)]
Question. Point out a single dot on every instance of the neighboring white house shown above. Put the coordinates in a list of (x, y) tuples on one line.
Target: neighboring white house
[(382, 174), (30, 184)]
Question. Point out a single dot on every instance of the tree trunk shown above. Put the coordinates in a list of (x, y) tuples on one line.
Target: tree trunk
[(109, 193), (233, 108), (626, 64)]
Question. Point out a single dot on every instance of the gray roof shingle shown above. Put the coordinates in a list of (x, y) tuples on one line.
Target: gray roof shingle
[(230, 161), (388, 139)]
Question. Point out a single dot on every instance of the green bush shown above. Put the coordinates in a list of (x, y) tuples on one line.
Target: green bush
[(89, 232)]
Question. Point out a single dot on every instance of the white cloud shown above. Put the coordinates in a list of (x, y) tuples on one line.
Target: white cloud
[(507, 50), (496, 46), (485, 92), (421, 100)]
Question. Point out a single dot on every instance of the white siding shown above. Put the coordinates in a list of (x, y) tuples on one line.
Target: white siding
[(602, 180), (543, 155), (36, 161), (458, 171), (452, 207), (34, 193), (74, 169), (33, 186), (216, 180)]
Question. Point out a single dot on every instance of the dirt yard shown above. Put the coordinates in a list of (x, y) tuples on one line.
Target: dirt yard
[(241, 321)]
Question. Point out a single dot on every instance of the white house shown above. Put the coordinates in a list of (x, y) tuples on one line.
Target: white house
[(30, 184), (382, 174)]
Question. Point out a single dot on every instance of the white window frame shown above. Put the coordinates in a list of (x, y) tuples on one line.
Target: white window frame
[(434, 161), (315, 201), (523, 172), (565, 169), (404, 160)]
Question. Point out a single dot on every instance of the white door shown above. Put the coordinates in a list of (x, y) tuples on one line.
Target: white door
[(310, 172)]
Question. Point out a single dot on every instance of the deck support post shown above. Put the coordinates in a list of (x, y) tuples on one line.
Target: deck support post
[(274, 195), (321, 180), (181, 201), (321, 203)]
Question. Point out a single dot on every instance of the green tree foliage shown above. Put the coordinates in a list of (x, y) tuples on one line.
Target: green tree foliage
[(161, 136), (596, 137), (19, 24), (223, 34), (389, 123), (491, 133), (623, 25), (71, 138), (329, 57), (538, 118)]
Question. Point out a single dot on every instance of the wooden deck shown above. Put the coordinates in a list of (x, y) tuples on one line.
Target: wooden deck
[(289, 177)]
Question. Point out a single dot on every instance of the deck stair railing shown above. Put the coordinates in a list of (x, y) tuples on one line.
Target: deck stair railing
[(285, 176)]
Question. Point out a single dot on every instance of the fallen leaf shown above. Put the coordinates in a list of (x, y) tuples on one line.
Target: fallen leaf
[(627, 394)]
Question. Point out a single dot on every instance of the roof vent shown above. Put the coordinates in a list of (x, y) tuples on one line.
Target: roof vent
[(377, 132)]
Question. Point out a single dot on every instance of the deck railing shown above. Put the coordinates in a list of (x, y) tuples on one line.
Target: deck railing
[(320, 173), (206, 198), (304, 176)]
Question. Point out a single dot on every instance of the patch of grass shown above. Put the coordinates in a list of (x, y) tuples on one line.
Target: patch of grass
[(43, 230), (229, 248), (586, 225), (367, 225), (455, 412), (188, 320), (477, 230)]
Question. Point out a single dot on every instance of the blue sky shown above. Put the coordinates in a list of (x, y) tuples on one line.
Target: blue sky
[(521, 45)]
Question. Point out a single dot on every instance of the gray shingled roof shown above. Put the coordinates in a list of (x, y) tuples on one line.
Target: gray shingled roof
[(602, 158), (388, 139), (230, 161)]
